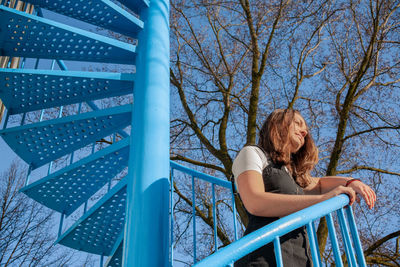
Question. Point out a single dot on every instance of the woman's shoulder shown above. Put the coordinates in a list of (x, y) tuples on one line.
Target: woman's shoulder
[(250, 157), (254, 151)]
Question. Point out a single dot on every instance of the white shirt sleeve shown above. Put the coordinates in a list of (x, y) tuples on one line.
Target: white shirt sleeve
[(249, 158)]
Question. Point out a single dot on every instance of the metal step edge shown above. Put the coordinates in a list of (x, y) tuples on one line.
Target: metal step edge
[(122, 83), (116, 253), (61, 121), (123, 53), (81, 116), (135, 5), (54, 176), (116, 189), (126, 23)]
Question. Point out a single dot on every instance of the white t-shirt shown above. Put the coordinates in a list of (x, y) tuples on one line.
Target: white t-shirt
[(249, 158)]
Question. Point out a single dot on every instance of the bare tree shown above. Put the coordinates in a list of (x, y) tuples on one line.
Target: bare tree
[(26, 227), (233, 62)]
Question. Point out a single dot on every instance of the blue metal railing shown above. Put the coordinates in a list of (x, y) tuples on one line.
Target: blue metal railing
[(214, 182), (272, 232)]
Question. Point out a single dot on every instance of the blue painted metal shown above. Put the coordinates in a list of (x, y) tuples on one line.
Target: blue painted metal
[(214, 216), (202, 176), (194, 220), (26, 35), (115, 260), (62, 215), (93, 106), (136, 5), (313, 244), (70, 187), (6, 120), (45, 141), (23, 118), (50, 166), (258, 238), (171, 215), (214, 181), (334, 241), (278, 252), (102, 13), (234, 216), (351, 259), (28, 90), (355, 237), (316, 242), (60, 111), (28, 175), (99, 228), (148, 179)]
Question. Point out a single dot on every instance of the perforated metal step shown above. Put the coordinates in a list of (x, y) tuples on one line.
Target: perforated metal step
[(25, 35), (42, 142), (102, 13), (24, 90), (135, 5), (98, 230), (68, 188), (115, 260)]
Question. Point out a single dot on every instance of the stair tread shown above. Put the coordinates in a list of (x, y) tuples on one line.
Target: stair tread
[(115, 258), (68, 188), (135, 5), (42, 142), (23, 90), (102, 13), (26, 35), (98, 229)]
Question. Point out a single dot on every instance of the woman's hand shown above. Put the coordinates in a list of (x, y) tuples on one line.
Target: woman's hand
[(341, 190), (365, 191)]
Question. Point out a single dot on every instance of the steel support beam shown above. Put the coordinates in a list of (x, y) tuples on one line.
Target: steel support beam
[(147, 222)]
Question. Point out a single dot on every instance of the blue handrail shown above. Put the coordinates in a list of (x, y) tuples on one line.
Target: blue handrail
[(272, 232), (236, 250)]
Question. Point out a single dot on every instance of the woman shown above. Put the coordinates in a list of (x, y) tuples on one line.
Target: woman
[(273, 180)]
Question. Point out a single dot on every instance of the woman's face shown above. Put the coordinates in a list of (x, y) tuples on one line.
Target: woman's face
[(297, 133)]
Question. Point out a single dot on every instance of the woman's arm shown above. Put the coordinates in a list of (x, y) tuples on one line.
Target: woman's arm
[(261, 203), (326, 184)]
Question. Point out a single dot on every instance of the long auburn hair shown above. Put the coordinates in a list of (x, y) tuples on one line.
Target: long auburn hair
[(275, 140)]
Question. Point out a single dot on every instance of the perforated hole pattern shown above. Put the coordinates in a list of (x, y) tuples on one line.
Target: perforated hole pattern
[(31, 90), (69, 191), (95, 12), (100, 230), (43, 40), (39, 145), (117, 258)]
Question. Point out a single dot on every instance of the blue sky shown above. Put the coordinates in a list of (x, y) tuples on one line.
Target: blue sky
[(7, 155)]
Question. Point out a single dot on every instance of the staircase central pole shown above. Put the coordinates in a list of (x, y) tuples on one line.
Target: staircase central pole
[(146, 228)]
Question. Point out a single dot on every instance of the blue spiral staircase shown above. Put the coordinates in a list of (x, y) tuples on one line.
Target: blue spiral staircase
[(27, 35), (130, 224)]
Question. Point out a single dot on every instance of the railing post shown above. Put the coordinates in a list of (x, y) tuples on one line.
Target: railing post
[(146, 225), (215, 217), (61, 224), (171, 241), (313, 244), (355, 237), (234, 215), (351, 259), (278, 252), (334, 242), (194, 220)]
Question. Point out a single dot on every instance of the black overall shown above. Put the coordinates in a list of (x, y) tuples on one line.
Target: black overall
[(294, 245)]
